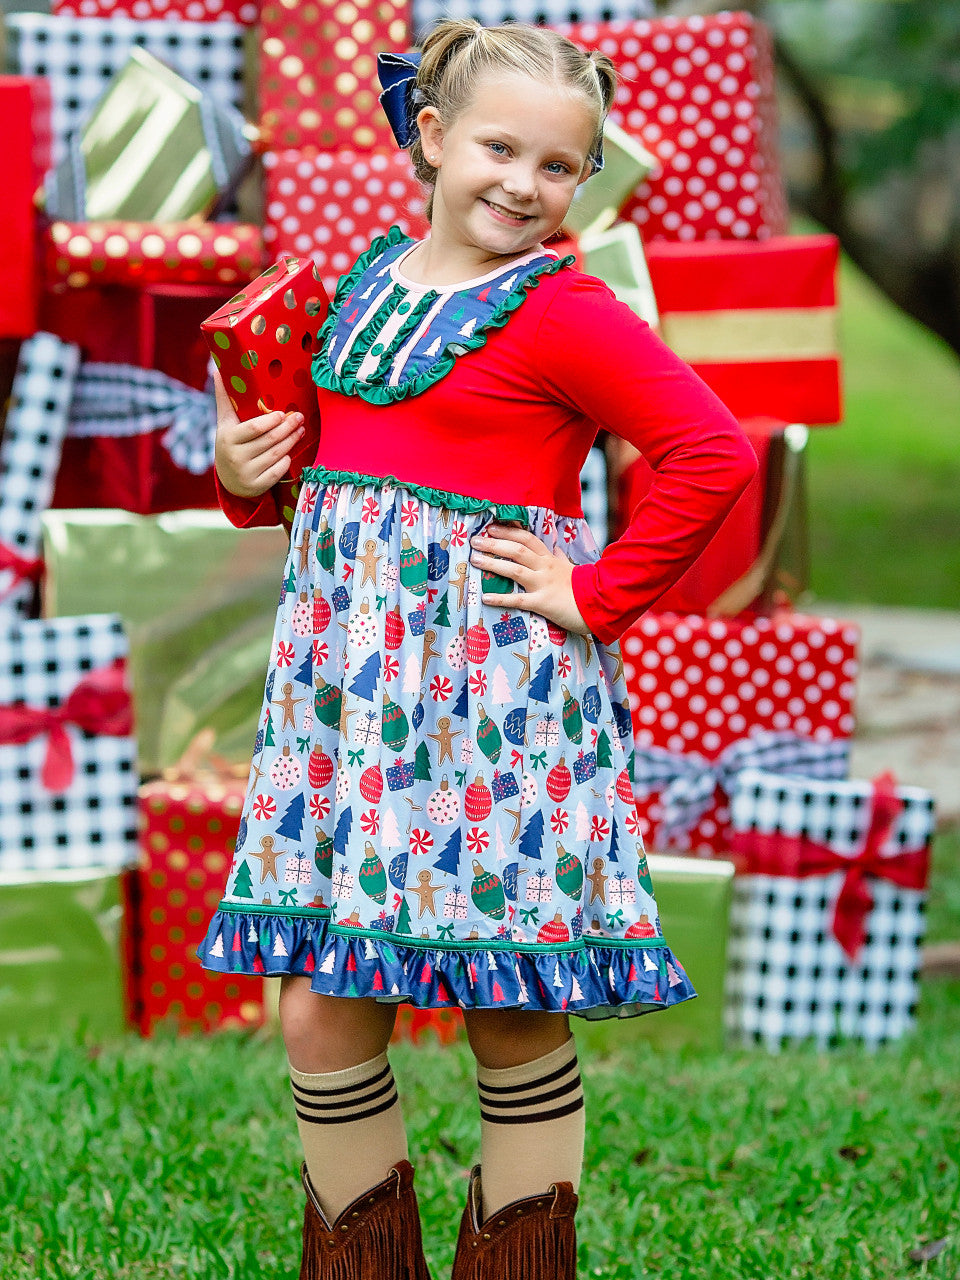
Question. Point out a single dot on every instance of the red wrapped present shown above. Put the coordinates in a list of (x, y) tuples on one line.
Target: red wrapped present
[(188, 832), (699, 94), (758, 322), (711, 697), (79, 254), (318, 82), (243, 11), (757, 558), (262, 342), (332, 205), (25, 111)]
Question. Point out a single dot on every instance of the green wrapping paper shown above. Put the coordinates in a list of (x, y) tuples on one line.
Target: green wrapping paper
[(198, 600), (155, 149), (626, 162), (616, 257), (60, 955), (694, 896)]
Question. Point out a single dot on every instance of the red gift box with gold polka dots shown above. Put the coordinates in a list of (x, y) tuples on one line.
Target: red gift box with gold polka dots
[(187, 835), (712, 696), (318, 85), (698, 92), (137, 254)]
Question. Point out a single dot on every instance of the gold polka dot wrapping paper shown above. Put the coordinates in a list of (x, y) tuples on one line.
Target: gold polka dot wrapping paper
[(137, 254), (318, 71)]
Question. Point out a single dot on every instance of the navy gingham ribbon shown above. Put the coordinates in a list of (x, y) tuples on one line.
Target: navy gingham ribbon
[(402, 101), (686, 783)]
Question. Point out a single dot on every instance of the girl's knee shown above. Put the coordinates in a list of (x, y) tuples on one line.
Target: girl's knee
[(509, 1037), (330, 1033)]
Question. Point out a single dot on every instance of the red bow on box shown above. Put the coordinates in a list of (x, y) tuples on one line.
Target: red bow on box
[(22, 567), (99, 703), (776, 854)]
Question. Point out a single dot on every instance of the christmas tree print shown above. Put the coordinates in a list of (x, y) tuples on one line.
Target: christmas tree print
[(291, 825), (305, 674), (242, 886), (390, 830), (403, 919), (531, 840), (449, 860), (269, 738), (614, 843), (411, 674), (604, 752), (460, 708), (365, 681), (540, 684), (421, 764), (442, 616), (387, 526), (500, 689), (342, 833)]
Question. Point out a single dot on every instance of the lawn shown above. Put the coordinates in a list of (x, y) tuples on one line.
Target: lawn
[(884, 524)]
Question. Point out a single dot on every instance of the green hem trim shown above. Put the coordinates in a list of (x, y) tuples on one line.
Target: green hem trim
[(435, 944), (437, 497), (377, 393)]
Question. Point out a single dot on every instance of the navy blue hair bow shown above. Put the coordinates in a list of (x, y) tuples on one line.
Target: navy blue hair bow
[(402, 102)]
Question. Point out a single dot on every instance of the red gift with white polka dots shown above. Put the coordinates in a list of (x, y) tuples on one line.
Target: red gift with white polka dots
[(700, 685), (244, 11), (698, 92), (330, 206)]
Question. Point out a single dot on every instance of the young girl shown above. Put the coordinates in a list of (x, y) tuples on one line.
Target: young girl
[(440, 809)]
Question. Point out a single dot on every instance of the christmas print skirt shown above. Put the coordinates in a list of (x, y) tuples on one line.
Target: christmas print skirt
[(439, 808)]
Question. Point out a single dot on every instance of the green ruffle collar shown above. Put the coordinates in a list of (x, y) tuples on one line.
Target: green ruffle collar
[(378, 393)]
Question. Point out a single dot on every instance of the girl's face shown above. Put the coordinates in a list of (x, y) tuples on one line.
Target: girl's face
[(508, 164)]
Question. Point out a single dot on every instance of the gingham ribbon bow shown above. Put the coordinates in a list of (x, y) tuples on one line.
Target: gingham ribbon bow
[(686, 783)]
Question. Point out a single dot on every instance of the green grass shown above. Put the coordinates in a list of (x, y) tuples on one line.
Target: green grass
[(178, 1159), (943, 904), (884, 523)]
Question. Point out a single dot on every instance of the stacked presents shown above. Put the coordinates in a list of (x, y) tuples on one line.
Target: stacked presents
[(182, 153)]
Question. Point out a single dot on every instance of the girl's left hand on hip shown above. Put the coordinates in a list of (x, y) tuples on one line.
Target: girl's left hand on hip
[(545, 575)]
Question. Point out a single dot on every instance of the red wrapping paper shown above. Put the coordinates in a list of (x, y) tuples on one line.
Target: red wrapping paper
[(262, 342), (332, 205), (699, 94), (80, 254), (25, 112), (318, 84), (756, 321), (188, 832), (699, 685), (244, 11)]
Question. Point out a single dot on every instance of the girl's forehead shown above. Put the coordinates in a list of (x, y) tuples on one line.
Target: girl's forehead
[(509, 95)]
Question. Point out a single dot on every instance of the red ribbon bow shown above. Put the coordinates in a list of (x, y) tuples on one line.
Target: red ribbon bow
[(22, 568), (99, 703), (777, 854)]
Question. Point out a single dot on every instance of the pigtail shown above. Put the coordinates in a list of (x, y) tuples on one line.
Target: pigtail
[(606, 74)]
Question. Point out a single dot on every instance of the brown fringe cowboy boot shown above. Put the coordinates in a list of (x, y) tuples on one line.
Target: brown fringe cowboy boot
[(531, 1239), (375, 1238)]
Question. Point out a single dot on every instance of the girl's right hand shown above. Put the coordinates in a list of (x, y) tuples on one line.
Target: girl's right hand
[(252, 456)]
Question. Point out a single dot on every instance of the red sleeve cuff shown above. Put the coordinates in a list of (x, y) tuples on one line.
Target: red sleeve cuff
[(247, 513), (586, 595)]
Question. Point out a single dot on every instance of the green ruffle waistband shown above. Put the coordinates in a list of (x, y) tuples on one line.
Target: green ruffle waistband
[(436, 497)]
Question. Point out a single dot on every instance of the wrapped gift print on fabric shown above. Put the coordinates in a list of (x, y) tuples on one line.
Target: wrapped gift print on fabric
[(440, 883), (188, 832), (318, 85), (80, 56), (711, 697), (698, 92), (67, 753), (30, 447), (136, 254), (330, 205), (828, 908), (25, 111)]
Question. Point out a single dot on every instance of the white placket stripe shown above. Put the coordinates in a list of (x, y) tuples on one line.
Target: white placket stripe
[(379, 297), (405, 352)]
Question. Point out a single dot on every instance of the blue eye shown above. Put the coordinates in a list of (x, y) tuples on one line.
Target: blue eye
[(555, 166), (497, 148)]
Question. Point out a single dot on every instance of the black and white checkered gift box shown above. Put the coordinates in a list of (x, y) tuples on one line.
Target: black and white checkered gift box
[(788, 978), (80, 56), (30, 455), (545, 12), (593, 494), (93, 821)]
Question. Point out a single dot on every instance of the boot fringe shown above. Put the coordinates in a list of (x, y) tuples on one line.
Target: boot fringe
[(531, 1239)]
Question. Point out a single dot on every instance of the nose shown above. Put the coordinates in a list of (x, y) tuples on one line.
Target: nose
[(520, 181)]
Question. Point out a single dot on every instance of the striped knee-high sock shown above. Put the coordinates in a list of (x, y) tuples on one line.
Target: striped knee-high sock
[(531, 1127), (351, 1128)]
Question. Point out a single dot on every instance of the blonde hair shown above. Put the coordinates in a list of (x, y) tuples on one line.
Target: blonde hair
[(457, 53)]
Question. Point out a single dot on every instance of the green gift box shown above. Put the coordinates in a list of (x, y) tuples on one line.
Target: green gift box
[(198, 599), (60, 954), (693, 896)]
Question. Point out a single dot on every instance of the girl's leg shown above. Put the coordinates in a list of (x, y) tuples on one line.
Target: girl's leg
[(531, 1103), (348, 1112)]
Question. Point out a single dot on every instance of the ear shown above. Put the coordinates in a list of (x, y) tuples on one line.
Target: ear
[(431, 134)]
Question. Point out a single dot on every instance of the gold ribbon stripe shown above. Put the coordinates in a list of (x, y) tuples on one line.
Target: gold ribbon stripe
[(768, 333)]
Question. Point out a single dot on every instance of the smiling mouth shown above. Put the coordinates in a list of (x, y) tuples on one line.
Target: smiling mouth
[(508, 213)]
